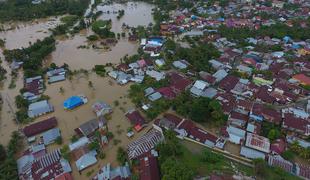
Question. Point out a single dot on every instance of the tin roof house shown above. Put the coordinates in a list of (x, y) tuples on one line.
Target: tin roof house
[(39, 108)]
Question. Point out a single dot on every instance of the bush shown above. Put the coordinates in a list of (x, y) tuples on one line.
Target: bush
[(93, 38)]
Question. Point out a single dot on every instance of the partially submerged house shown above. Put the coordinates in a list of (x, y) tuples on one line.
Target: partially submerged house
[(39, 127), (39, 108), (136, 119), (74, 102), (90, 127), (101, 108), (84, 157), (109, 173)]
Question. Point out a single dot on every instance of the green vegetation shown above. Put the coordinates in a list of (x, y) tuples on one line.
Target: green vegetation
[(2, 73), (262, 170), (2, 43), (300, 151), (100, 70), (24, 10), (199, 109), (65, 152), (8, 166), (32, 56), (121, 156), (102, 28), (67, 22), (177, 160), (271, 131), (92, 37)]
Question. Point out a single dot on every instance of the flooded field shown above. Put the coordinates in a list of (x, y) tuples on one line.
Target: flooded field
[(67, 49), (67, 52), (20, 34), (136, 14)]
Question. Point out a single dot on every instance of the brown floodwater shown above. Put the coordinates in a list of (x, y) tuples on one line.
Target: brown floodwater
[(136, 14), (7, 118), (21, 33), (67, 50), (104, 89)]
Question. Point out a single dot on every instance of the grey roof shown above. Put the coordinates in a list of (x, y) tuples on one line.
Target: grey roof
[(65, 165), (196, 91), (86, 160), (51, 135), (39, 108), (155, 96), (57, 78), (251, 153), (89, 127), (81, 142), (24, 163), (149, 91), (122, 171), (56, 72), (220, 74), (209, 92), (179, 65)]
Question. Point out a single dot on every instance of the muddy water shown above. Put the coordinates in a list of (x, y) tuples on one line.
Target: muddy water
[(102, 90), (136, 14), (7, 122), (23, 33), (67, 52)]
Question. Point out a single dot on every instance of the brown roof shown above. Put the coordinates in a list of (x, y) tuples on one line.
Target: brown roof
[(40, 127)]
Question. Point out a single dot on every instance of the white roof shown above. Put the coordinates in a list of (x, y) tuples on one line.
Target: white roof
[(251, 153), (199, 84), (81, 142), (86, 160), (257, 142)]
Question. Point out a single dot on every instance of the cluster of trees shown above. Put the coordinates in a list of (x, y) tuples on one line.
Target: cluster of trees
[(2, 73), (100, 70), (25, 10), (271, 131), (121, 13), (8, 166), (170, 153), (32, 56), (102, 28), (200, 109), (300, 151), (67, 22), (278, 30)]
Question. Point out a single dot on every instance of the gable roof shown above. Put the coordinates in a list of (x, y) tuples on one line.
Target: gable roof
[(40, 127)]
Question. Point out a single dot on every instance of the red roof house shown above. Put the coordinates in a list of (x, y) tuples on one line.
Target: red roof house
[(136, 119), (40, 127), (303, 79)]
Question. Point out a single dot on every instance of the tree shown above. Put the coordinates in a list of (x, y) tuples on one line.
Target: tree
[(65, 152), (274, 134), (170, 147), (172, 169), (121, 156), (260, 167), (210, 157), (2, 153), (21, 102)]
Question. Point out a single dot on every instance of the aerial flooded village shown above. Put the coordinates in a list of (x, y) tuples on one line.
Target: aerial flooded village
[(154, 89)]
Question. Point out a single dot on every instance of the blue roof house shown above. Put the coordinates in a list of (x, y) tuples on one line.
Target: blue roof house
[(73, 102)]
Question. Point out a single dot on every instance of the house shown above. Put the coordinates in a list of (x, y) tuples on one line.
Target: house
[(296, 124), (253, 127), (219, 75), (244, 69), (84, 157), (166, 92), (155, 96), (207, 77), (178, 82), (51, 136), (302, 171), (109, 173), (302, 79), (144, 144), (237, 119), (209, 92), (136, 119), (160, 62), (169, 121), (278, 161), (278, 146), (30, 97), (39, 127), (181, 64), (34, 85), (257, 142), (64, 176), (74, 102), (16, 64), (148, 168), (39, 108), (56, 75), (44, 167), (198, 88), (101, 108), (188, 129), (216, 64), (90, 127), (251, 153), (79, 143), (155, 74), (228, 83), (271, 115), (236, 135)]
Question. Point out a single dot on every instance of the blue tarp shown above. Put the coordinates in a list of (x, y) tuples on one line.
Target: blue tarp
[(73, 102)]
